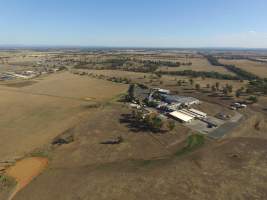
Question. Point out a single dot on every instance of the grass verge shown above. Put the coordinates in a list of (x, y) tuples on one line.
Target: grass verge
[(6, 181), (41, 154), (192, 143)]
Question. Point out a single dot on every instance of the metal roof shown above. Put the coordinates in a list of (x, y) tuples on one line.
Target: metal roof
[(179, 99), (198, 112), (181, 116)]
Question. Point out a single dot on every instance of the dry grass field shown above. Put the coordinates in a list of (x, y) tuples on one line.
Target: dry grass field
[(257, 68), (146, 165), (169, 82), (198, 64), (141, 168), (35, 114)]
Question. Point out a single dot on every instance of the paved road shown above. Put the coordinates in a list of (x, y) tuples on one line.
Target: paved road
[(227, 127)]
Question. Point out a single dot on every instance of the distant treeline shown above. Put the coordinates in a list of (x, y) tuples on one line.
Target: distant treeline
[(239, 57), (242, 74), (256, 60), (205, 74), (128, 64)]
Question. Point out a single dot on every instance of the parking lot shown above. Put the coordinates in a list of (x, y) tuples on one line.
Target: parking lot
[(203, 127)]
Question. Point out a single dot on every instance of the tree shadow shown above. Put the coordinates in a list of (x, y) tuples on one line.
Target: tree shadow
[(227, 98), (136, 126), (189, 89), (188, 92), (205, 91)]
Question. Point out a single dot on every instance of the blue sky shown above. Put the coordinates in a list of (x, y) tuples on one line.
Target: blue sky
[(151, 23)]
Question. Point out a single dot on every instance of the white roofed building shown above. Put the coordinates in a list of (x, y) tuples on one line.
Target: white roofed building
[(181, 116)]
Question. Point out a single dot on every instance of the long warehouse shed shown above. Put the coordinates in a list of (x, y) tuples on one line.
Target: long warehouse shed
[(181, 116), (198, 112)]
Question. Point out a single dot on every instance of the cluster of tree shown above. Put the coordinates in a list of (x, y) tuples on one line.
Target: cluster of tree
[(257, 60), (252, 99), (153, 121), (197, 86), (239, 92), (119, 80), (142, 86), (130, 94), (216, 87), (240, 57), (204, 74), (258, 86), (161, 63), (182, 82), (103, 77), (128, 64), (62, 68), (114, 62), (242, 74), (228, 89)]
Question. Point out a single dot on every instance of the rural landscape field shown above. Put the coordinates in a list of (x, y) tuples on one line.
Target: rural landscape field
[(133, 100), (71, 124)]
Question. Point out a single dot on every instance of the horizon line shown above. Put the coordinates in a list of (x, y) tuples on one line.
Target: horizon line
[(21, 46)]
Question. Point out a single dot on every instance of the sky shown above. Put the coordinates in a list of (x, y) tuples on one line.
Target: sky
[(134, 23)]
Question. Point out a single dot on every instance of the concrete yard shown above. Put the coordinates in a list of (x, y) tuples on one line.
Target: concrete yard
[(202, 127)]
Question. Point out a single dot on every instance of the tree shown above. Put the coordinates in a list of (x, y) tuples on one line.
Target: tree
[(158, 75), (253, 99), (153, 121), (191, 81), (138, 115), (225, 91), (238, 93), (197, 86), (213, 88), (156, 123), (217, 85), (130, 95), (229, 88)]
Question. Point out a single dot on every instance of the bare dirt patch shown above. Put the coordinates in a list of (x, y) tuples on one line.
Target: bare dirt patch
[(24, 171)]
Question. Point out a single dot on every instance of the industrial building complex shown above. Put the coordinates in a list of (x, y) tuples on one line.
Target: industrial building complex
[(176, 107)]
